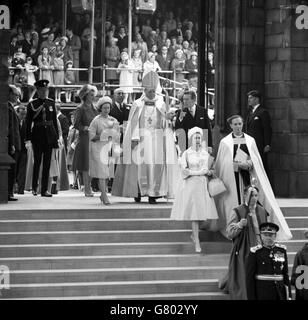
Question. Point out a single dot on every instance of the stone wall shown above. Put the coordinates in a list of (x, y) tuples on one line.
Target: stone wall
[(286, 88)]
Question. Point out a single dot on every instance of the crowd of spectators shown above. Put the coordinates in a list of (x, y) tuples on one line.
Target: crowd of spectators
[(164, 41)]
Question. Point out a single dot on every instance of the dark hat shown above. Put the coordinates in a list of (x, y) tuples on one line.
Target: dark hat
[(254, 93), (41, 84), (269, 227)]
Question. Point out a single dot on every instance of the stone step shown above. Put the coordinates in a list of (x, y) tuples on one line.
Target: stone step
[(90, 262), (91, 225), (111, 224), (299, 211), (113, 274), (166, 296), (29, 276), (89, 249), (70, 289), (140, 212), (127, 236)]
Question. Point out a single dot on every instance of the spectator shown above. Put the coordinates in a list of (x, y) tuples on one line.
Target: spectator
[(170, 22), (138, 43), (191, 66), (137, 77), (86, 46), (67, 50), (35, 39), (30, 69), (112, 56), (154, 49), (75, 44), (58, 74), (178, 65), (49, 43), (169, 48), (164, 60), (69, 79), (152, 65), (34, 55), (27, 43), (19, 58), (186, 50), (177, 31), (152, 39), (20, 35), (146, 28), (122, 39), (45, 65), (13, 45), (126, 76)]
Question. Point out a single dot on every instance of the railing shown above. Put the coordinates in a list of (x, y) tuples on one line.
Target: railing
[(176, 86)]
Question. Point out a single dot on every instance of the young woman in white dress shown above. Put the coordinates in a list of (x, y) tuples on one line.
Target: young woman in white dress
[(192, 201)]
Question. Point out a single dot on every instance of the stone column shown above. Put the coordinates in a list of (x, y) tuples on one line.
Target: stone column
[(239, 57), (286, 84), (5, 159)]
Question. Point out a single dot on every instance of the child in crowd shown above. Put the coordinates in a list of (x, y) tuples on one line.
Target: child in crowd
[(69, 79), (30, 69)]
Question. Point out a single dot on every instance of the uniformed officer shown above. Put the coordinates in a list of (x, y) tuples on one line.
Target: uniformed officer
[(42, 133), (267, 268)]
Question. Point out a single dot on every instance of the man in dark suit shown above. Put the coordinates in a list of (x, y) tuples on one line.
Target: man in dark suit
[(176, 32), (119, 110), (258, 125), (43, 136), (13, 137), (74, 43), (164, 60), (191, 116), (21, 156)]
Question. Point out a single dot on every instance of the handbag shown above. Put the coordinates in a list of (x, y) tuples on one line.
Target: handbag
[(216, 187)]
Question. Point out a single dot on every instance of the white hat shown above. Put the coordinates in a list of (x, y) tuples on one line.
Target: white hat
[(193, 131), (86, 89), (103, 101), (118, 90)]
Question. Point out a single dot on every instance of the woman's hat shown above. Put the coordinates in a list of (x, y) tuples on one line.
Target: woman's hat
[(124, 55), (194, 53), (104, 100), (193, 131), (85, 90), (179, 50), (64, 38), (68, 62)]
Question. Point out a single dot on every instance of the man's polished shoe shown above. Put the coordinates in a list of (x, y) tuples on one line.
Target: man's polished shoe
[(21, 192), (46, 195), (34, 192), (137, 199), (12, 199), (152, 200)]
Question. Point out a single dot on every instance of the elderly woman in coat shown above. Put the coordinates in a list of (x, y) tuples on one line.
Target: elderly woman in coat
[(104, 135), (84, 115)]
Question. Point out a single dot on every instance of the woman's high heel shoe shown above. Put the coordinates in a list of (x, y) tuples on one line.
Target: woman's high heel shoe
[(198, 249)]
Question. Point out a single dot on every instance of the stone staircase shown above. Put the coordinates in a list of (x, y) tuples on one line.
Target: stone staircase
[(133, 253)]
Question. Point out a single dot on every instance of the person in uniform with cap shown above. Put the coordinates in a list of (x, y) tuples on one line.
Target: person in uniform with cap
[(42, 133), (299, 278), (258, 125), (267, 275), (145, 171)]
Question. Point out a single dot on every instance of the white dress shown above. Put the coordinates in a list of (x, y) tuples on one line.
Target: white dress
[(192, 201)]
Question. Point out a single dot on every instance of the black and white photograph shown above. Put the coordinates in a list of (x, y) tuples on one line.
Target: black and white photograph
[(154, 150)]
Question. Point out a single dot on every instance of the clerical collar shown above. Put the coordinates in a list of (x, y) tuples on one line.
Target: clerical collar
[(238, 137), (255, 108)]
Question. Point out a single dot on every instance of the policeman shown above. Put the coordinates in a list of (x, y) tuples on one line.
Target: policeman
[(42, 133), (267, 268)]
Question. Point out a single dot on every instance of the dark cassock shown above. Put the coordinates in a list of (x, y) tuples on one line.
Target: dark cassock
[(42, 131), (267, 275), (299, 273), (243, 239)]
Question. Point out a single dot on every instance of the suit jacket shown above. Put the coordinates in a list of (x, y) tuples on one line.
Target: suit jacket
[(164, 63), (258, 125), (13, 132), (200, 120), (121, 116), (75, 44)]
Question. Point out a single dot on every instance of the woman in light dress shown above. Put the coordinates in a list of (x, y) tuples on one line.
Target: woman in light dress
[(152, 65), (46, 67), (192, 200), (104, 136)]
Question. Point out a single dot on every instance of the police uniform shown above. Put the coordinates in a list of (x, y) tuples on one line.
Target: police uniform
[(42, 131), (267, 270)]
